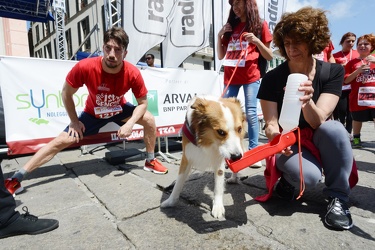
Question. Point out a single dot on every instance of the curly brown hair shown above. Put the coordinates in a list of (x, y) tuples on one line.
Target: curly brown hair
[(370, 38), (309, 25), (253, 20)]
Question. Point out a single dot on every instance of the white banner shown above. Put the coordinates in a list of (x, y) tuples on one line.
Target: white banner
[(221, 13), (273, 9), (146, 23), (189, 31), (35, 114)]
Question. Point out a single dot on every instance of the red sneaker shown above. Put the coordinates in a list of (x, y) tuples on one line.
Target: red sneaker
[(13, 185), (155, 166)]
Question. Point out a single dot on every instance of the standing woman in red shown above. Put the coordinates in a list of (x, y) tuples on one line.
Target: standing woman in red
[(360, 74), (347, 53), (244, 21)]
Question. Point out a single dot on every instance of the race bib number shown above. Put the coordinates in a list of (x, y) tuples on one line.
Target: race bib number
[(346, 87), (107, 112), (366, 96), (235, 55)]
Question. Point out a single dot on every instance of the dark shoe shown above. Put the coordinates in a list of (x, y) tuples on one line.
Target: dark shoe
[(338, 215), (285, 190), (28, 224)]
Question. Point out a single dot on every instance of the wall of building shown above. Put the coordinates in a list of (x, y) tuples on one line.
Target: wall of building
[(13, 38), (92, 12)]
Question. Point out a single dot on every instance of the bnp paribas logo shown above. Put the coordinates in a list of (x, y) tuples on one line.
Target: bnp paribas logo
[(152, 98)]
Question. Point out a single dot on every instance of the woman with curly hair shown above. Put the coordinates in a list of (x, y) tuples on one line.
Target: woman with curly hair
[(360, 74), (244, 24), (325, 144)]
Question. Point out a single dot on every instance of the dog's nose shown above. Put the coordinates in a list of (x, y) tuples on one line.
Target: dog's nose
[(235, 157)]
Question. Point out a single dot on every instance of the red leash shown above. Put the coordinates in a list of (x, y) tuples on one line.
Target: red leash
[(275, 146), (243, 51)]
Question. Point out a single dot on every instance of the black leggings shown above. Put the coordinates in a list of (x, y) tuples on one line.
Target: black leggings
[(342, 112)]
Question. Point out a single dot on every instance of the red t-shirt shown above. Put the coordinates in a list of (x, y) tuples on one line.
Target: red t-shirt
[(105, 89), (344, 57), (250, 73), (363, 80), (323, 56)]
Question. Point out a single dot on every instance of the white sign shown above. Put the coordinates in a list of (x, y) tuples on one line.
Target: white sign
[(35, 114)]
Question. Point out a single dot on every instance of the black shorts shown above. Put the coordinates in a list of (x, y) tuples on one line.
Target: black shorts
[(93, 124), (364, 115)]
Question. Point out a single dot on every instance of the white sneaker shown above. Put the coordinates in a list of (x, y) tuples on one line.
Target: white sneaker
[(257, 165)]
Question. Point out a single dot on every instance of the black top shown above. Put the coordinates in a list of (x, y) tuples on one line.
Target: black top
[(273, 83)]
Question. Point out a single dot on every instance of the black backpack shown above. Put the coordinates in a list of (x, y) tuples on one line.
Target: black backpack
[(262, 62)]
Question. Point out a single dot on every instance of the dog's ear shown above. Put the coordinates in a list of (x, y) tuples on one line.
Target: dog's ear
[(199, 104)]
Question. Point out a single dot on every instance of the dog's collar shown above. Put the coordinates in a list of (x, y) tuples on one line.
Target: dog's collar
[(187, 132)]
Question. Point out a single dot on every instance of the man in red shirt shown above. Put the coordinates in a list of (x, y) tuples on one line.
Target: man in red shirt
[(107, 79)]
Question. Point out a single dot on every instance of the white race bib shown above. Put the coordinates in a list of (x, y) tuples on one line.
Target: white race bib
[(235, 54), (107, 112), (366, 96)]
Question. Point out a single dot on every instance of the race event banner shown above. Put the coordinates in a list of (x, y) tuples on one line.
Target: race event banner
[(35, 114)]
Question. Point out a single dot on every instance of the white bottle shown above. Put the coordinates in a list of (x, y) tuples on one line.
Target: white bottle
[(291, 109)]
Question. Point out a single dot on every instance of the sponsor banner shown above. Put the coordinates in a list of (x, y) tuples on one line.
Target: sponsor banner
[(35, 114), (146, 23), (273, 12), (221, 13), (188, 32)]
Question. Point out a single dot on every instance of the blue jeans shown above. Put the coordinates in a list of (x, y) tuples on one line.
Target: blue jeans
[(250, 92)]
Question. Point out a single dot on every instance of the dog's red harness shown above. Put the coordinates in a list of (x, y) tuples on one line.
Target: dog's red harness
[(187, 132)]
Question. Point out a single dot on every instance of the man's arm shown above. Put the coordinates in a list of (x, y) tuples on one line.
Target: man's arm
[(76, 128), (139, 111)]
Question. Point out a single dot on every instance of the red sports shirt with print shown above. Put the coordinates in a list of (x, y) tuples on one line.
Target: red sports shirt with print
[(105, 89)]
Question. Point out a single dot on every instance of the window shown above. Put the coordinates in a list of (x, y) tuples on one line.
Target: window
[(37, 38), (207, 65), (81, 4), (48, 51), (83, 31), (69, 46), (39, 53)]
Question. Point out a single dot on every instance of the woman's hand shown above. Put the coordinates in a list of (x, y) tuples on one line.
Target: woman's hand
[(251, 38), (226, 28), (287, 151), (307, 88)]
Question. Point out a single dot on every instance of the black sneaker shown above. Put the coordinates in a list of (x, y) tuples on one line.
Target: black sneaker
[(28, 224), (285, 190), (338, 215)]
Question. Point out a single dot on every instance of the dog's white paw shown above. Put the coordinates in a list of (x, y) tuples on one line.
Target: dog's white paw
[(233, 180), (218, 211), (168, 203)]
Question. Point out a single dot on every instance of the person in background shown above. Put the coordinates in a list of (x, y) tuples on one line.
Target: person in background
[(244, 24), (326, 54), (150, 60), (107, 79), (13, 223), (324, 144), (347, 53), (360, 74)]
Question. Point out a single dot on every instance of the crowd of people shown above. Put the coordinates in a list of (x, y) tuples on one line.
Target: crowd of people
[(344, 88)]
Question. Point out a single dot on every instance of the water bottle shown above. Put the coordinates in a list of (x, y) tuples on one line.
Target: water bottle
[(291, 109)]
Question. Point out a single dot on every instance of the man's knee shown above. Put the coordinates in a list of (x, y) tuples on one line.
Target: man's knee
[(148, 120)]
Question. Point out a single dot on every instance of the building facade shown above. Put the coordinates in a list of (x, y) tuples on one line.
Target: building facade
[(84, 24)]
